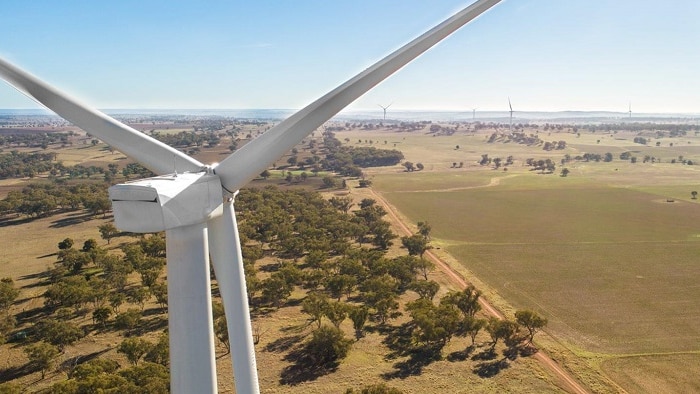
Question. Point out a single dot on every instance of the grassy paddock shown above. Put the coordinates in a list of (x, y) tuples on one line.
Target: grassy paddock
[(656, 374), (613, 268)]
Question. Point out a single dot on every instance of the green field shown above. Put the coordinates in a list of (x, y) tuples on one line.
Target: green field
[(608, 254), (614, 269)]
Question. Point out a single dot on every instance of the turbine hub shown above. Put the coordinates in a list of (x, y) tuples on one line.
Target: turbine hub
[(166, 202)]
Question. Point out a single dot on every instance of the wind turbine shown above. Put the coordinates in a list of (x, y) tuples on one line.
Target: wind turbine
[(474, 113), (193, 204), (385, 108), (510, 126), (630, 110)]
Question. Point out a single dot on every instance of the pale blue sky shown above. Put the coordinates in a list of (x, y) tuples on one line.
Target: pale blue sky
[(547, 55)]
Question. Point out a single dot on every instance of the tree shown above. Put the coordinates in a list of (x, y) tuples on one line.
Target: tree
[(41, 356), (8, 293), (694, 194), (426, 289), (409, 166), (327, 345), (471, 326), (128, 320), (100, 315), (336, 312), (342, 204), (420, 166), (315, 305), (89, 245), (531, 321), (424, 229), (434, 324), (160, 352), (329, 182), (467, 300), (564, 172), (59, 333), (501, 329), (108, 231), (65, 244), (416, 244), (221, 332), (265, 174), (134, 348), (358, 315)]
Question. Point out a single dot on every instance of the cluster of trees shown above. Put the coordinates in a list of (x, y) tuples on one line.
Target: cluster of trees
[(43, 199), (92, 281), (346, 159), (22, 138), (545, 166), (20, 164), (496, 161), (8, 295), (410, 167), (185, 139)]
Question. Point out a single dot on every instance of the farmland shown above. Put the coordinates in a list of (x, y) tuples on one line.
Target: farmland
[(608, 253)]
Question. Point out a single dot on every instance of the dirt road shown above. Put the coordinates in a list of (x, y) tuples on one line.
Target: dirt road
[(570, 383)]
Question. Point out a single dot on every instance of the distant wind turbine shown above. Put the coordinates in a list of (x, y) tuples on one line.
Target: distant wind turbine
[(510, 126), (474, 113), (194, 204), (385, 108), (630, 110)]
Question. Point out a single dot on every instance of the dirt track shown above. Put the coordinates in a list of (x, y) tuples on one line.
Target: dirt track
[(570, 383)]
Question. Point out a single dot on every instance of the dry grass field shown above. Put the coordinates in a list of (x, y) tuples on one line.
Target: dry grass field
[(609, 254), (30, 246)]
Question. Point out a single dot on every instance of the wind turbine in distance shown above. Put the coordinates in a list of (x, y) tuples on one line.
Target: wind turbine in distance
[(510, 126), (474, 113), (385, 108), (193, 203), (630, 110)]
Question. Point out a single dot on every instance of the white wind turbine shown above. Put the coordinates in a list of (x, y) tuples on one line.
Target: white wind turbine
[(385, 108), (510, 125), (193, 204)]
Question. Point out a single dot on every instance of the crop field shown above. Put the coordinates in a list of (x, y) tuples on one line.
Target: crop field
[(609, 254)]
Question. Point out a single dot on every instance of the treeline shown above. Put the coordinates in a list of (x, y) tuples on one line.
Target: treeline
[(185, 139), (37, 200), (22, 138), (346, 160), (20, 164)]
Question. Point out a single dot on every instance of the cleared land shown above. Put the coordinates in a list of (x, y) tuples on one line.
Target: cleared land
[(608, 254)]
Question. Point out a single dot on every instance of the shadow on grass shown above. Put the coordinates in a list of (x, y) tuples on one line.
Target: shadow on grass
[(400, 343), (418, 359), (283, 344), (5, 222), (72, 220), (69, 365), (488, 369), (12, 373), (305, 368)]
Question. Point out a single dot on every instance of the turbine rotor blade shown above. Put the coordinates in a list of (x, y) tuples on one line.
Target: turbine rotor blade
[(151, 153), (246, 163)]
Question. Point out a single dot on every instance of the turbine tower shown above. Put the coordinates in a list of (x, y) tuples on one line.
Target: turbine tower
[(193, 203), (510, 126), (630, 110), (474, 113), (385, 108)]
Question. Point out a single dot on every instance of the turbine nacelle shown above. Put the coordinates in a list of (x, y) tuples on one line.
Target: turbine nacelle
[(166, 202)]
